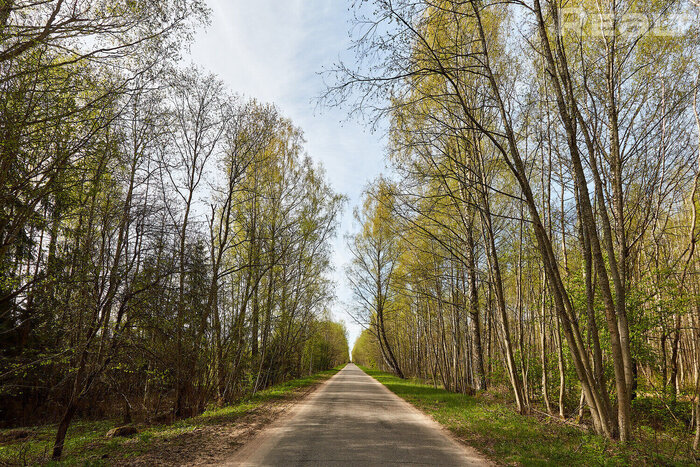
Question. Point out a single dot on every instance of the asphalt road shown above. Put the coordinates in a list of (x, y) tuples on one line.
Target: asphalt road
[(354, 420)]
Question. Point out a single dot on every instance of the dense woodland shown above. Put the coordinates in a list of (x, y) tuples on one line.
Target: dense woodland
[(539, 231), (164, 243)]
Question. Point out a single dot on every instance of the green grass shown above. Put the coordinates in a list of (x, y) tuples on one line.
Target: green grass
[(86, 443), (496, 430)]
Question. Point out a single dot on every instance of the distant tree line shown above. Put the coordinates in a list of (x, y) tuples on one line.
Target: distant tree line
[(541, 226), (164, 244)]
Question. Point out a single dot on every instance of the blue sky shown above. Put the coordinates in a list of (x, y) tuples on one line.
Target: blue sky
[(273, 50)]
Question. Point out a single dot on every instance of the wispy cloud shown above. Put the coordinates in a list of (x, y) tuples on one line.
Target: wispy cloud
[(273, 50)]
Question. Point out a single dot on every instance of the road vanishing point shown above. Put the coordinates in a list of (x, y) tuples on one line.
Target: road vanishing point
[(352, 419)]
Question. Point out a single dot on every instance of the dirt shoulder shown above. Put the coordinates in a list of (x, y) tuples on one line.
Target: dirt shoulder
[(216, 442), (210, 438)]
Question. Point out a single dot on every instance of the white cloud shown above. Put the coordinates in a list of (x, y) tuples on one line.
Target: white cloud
[(272, 50)]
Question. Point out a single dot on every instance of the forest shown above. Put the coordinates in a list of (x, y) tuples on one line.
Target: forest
[(164, 242), (167, 244), (538, 230)]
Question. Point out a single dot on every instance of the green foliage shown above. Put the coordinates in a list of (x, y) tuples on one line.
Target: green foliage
[(365, 352), (87, 445), (327, 347), (495, 429)]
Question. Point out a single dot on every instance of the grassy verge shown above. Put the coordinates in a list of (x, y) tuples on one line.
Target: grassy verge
[(497, 431), (86, 443)]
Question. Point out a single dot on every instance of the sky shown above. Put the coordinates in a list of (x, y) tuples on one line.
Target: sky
[(273, 51)]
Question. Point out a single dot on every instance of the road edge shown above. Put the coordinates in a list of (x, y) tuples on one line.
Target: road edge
[(243, 453), (472, 452)]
